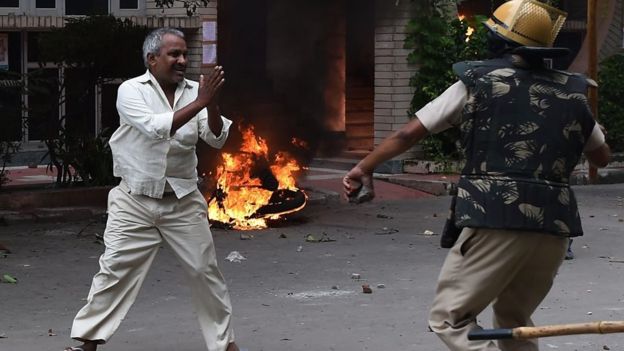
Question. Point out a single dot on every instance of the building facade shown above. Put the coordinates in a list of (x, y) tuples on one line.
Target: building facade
[(331, 71), (21, 21)]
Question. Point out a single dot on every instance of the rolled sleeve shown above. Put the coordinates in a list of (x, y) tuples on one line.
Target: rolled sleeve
[(134, 110), (208, 136), (444, 111)]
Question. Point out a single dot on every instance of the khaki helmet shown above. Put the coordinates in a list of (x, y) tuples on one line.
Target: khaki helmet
[(527, 22)]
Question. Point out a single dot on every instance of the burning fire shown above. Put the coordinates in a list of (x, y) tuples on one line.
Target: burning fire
[(251, 188)]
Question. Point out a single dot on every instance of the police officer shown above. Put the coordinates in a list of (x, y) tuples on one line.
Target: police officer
[(523, 129)]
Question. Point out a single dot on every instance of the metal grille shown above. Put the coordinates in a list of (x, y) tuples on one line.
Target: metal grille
[(533, 19)]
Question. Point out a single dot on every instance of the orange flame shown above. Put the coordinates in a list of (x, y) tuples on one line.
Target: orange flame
[(240, 193)]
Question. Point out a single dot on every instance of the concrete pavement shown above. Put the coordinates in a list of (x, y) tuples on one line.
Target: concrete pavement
[(294, 295)]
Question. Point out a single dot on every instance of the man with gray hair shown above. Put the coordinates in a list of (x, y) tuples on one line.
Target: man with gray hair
[(162, 115)]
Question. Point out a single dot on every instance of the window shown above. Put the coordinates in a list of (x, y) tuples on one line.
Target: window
[(86, 7), (9, 3), (45, 4), (128, 4)]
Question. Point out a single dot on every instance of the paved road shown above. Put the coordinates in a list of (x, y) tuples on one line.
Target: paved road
[(290, 299)]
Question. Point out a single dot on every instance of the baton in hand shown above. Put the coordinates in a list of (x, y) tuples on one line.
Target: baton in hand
[(604, 327)]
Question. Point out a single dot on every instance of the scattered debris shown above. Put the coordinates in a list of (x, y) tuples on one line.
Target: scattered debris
[(356, 276), (283, 236), (244, 236), (7, 278), (235, 256), (386, 231), (616, 259), (428, 233), (51, 333), (604, 228), (381, 286), (366, 289), (605, 347), (299, 248), (589, 313), (324, 238)]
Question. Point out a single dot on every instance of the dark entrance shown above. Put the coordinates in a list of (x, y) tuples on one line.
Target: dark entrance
[(298, 68)]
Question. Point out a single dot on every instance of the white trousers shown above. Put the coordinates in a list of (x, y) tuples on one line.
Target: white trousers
[(514, 270), (135, 229)]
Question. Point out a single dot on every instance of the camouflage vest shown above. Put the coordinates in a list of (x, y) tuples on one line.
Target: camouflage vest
[(523, 131)]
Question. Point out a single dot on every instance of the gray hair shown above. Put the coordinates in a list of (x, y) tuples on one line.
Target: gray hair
[(153, 41)]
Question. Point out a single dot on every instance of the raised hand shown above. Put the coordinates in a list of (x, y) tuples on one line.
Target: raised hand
[(210, 86)]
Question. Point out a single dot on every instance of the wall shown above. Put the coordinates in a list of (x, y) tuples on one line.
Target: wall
[(392, 74)]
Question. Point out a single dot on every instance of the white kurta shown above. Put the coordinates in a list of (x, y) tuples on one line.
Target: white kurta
[(157, 200)]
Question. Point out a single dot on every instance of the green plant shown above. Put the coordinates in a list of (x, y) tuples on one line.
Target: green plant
[(7, 150), (437, 42), (190, 5), (83, 159), (610, 97)]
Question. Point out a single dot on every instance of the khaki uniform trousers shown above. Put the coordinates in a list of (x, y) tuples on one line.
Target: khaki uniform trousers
[(135, 229), (514, 270)]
